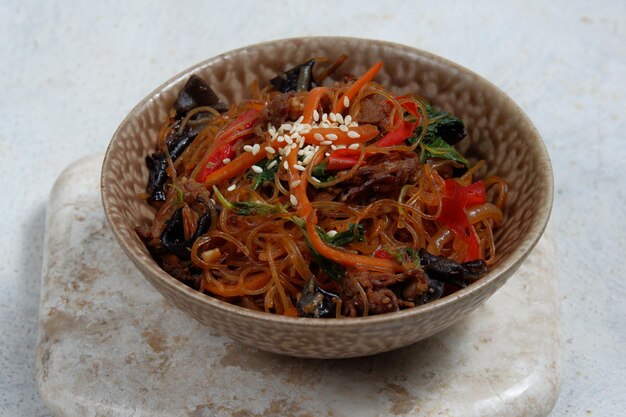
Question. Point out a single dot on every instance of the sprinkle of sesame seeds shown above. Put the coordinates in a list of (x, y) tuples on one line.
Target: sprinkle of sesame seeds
[(331, 233), (331, 136), (347, 120), (354, 146), (295, 183), (324, 124), (332, 117), (339, 118), (257, 169), (272, 164), (318, 137), (225, 161), (343, 128), (354, 135), (232, 187), (299, 167), (286, 165), (256, 148), (316, 115), (293, 200), (326, 142), (247, 148), (270, 150)]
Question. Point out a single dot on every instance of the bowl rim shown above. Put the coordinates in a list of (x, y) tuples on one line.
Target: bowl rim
[(517, 256)]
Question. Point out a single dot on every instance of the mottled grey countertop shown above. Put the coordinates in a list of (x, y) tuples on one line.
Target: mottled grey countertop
[(71, 71)]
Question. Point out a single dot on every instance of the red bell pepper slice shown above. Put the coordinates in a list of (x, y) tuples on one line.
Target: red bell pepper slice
[(342, 159), (383, 254), (457, 198), (214, 160), (405, 131)]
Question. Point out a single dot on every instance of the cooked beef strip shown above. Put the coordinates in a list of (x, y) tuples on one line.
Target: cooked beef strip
[(372, 181)]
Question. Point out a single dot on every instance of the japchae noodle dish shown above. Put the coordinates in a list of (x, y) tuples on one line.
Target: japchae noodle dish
[(318, 198)]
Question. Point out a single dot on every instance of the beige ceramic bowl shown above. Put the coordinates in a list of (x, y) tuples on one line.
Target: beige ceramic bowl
[(499, 132)]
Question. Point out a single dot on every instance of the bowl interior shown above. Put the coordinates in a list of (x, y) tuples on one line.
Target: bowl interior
[(499, 132)]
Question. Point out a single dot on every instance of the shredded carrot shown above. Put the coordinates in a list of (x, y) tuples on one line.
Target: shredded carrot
[(237, 166), (312, 102), (353, 91)]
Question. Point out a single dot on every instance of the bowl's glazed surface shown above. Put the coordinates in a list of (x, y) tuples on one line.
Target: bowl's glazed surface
[(499, 132)]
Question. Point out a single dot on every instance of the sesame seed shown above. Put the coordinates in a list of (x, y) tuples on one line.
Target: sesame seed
[(288, 140), (300, 119), (293, 200), (299, 167), (294, 145), (257, 169), (326, 142), (225, 161), (324, 117), (280, 138), (316, 115), (324, 124), (354, 135), (343, 128), (256, 148), (307, 159), (295, 183), (286, 126), (272, 164), (333, 147), (232, 187), (347, 120), (339, 118), (247, 148), (331, 233), (332, 117), (286, 165), (353, 124), (341, 146), (354, 146), (287, 150), (270, 150), (331, 136), (346, 101), (315, 179), (318, 137), (301, 152)]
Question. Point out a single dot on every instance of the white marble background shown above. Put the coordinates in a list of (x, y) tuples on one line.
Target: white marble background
[(70, 71)]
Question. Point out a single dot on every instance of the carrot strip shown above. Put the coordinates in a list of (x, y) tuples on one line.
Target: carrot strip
[(312, 102), (237, 166), (365, 132), (358, 85), (254, 283)]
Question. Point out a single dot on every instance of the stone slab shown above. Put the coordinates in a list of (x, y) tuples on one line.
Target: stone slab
[(110, 345)]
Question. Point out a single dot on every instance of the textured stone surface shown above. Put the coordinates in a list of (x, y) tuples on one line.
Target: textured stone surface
[(110, 345)]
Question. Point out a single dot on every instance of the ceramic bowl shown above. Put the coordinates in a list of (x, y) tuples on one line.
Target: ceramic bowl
[(499, 132)]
